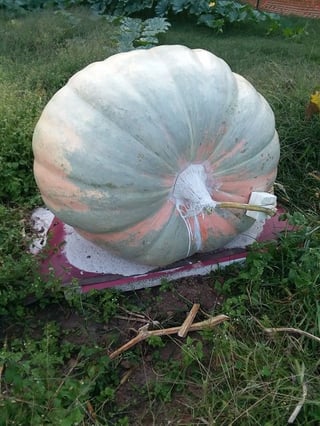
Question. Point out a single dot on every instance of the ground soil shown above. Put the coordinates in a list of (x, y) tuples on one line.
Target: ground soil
[(167, 308), (160, 307)]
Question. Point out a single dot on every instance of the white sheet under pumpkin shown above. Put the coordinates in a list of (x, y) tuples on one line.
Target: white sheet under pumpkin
[(89, 257)]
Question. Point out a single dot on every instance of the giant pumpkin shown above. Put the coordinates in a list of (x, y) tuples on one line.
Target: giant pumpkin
[(136, 151)]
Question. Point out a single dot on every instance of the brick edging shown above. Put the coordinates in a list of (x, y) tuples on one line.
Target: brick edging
[(305, 8)]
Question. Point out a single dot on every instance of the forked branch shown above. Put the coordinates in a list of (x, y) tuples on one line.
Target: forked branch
[(144, 333)]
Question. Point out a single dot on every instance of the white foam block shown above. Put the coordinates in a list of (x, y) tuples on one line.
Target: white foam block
[(263, 199)]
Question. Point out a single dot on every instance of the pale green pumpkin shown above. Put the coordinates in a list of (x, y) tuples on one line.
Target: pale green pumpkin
[(133, 150)]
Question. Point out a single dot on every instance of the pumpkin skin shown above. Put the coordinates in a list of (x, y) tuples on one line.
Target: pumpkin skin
[(111, 144)]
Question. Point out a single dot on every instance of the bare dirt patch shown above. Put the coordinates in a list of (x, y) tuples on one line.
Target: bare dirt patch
[(160, 307)]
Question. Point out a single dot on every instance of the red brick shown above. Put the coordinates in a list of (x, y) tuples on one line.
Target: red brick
[(307, 8)]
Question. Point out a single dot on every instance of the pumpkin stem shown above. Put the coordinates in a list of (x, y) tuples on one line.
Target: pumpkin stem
[(190, 191), (249, 207), (192, 196)]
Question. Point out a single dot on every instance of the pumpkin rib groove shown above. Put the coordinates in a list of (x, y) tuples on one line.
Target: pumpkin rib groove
[(162, 191), (234, 169), (181, 103), (86, 98), (174, 226), (229, 102), (153, 107), (198, 55), (252, 119), (134, 140), (219, 163), (186, 112)]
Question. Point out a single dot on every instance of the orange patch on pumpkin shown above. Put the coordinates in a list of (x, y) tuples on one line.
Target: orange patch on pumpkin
[(225, 155), (235, 188), (203, 153), (214, 225), (57, 191), (136, 233), (203, 229), (54, 138)]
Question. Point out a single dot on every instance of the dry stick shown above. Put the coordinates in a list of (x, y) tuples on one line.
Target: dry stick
[(314, 175), (134, 314), (287, 330), (291, 330), (135, 319), (144, 333), (297, 410), (72, 367), (189, 320)]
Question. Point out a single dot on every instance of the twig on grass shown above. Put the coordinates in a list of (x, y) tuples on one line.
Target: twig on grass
[(292, 330), (315, 175), (144, 333), (134, 319), (272, 330), (73, 365), (300, 404), (134, 314), (189, 320)]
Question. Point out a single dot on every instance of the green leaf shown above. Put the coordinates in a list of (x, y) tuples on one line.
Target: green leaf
[(178, 5), (74, 418), (162, 7), (135, 33), (199, 7)]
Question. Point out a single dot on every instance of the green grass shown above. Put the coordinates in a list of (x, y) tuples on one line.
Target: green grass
[(37, 56), (54, 367)]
